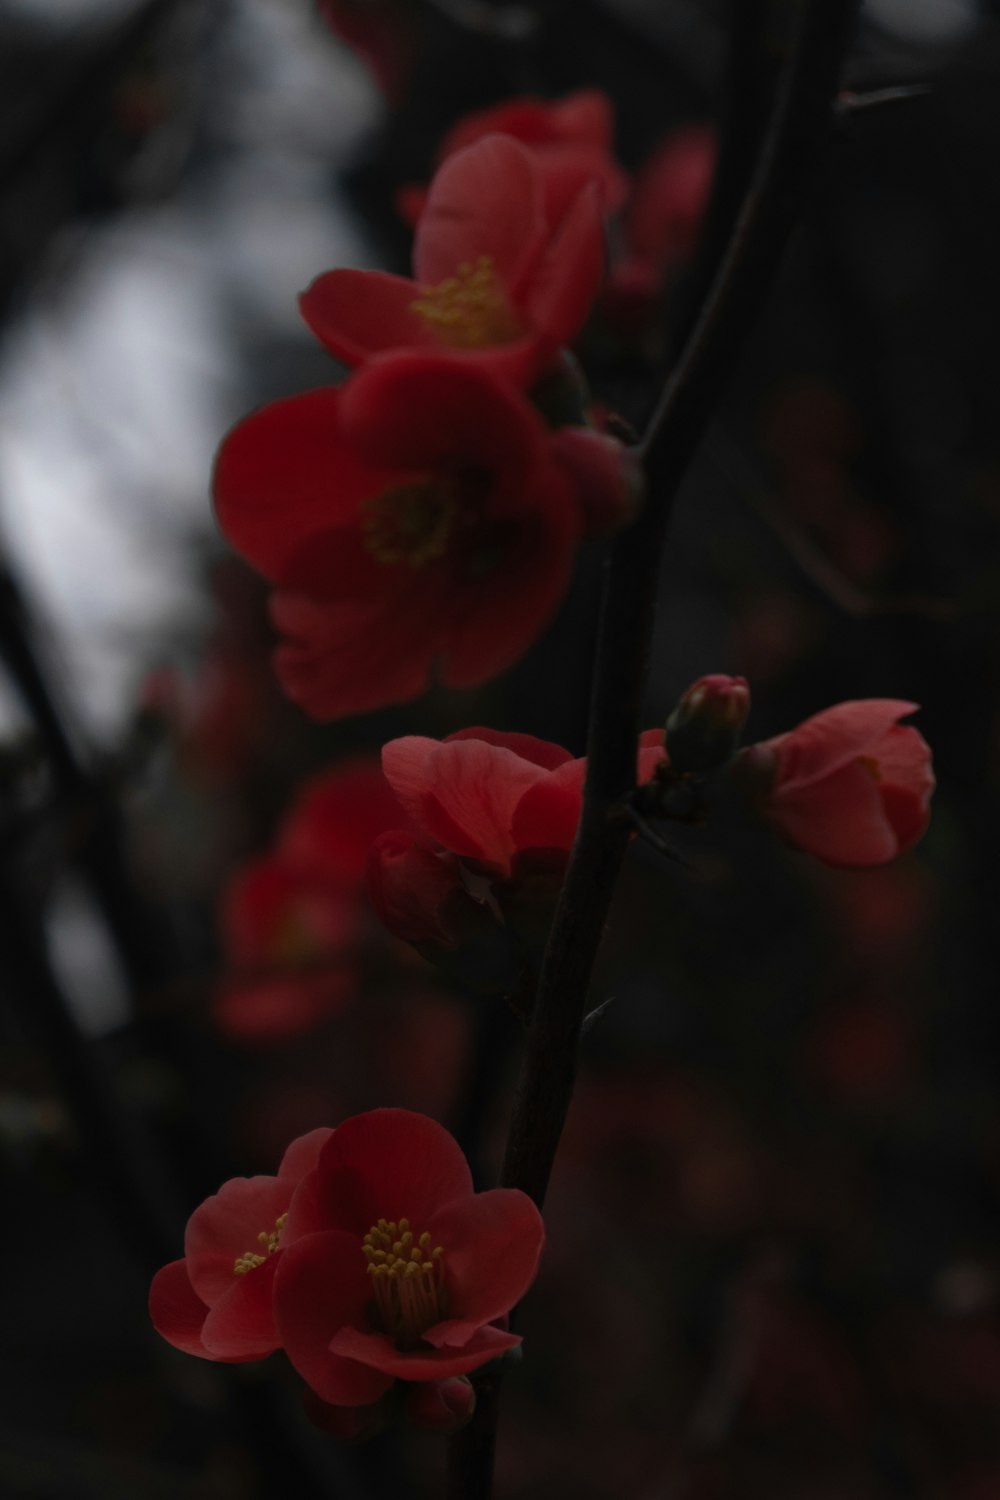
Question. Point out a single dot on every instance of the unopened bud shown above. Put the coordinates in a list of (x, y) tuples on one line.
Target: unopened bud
[(703, 731), (442, 1405)]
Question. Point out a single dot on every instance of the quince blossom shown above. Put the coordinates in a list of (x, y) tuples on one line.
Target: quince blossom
[(851, 785), (415, 517), (495, 278), (370, 1258)]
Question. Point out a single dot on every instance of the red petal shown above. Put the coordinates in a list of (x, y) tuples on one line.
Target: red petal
[(409, 885), (567, 168), (492, 1245), (434, 412), (547, 815), (360, 313), (284, 473), (587, 116), (337, 817), (391, 1164), (263, 1010), (268, 895), (506, 602), (906, 783), (833, 738), (345, 660), (302, 1154), (561, 289), (840, 819), (226, 1226), (485, 200), (461, 793), (322, 1286), (540, 752), (176, 1309), (378, 1352), (241, 1324)]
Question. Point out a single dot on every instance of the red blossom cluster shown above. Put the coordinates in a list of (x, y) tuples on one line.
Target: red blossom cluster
[(292, 920), (369, 1259)]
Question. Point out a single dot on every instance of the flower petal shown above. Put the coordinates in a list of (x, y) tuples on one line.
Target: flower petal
[(227, 1226), (834, 737), (540, 752), (461, 793), (336, 818), (547, 815), (485, 200), (284, 473), (492, 1245), (379, 1353), (422, 411), (321, 1286), (360, 313), (176, 1309), (562, 286), (840, 819), (241, 1324), (391, 1164), (302, 1154), (346, 659)]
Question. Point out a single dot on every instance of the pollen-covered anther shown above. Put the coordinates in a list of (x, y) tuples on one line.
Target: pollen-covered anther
[(469, 310), (410, 523), (407, 1276), (268, 1240)]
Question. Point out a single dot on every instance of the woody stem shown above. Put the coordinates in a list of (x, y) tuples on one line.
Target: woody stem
[(779, 181)]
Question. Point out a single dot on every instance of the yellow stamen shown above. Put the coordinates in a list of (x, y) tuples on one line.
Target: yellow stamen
[(410, 523), (407, 1280), (469, 310), (268, 1242)]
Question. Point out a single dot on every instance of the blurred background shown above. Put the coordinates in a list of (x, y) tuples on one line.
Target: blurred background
[(773, 1266)]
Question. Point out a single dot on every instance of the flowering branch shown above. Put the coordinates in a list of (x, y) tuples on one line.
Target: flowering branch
[(795, 135)]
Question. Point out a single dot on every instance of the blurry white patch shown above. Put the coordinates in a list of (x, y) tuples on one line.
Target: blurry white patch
[(925, 21), (85, 963)]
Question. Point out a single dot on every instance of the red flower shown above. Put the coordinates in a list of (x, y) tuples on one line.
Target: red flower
[(380, 31), (494, 278), (850, 785), (571, 139), (292, 921), (414, 515), (661, 224), (505, 806), (397, 1268), (216, 1302)]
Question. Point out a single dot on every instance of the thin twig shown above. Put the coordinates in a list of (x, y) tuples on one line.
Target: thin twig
[(799, 124)]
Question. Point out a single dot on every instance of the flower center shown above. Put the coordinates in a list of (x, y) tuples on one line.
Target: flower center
[(871, 765), (268, 1241), (469, 310), (410, 523), (408, 1280)]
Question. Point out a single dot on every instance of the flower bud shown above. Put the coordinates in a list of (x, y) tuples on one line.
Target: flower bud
[(704, 729), (442, 1405)]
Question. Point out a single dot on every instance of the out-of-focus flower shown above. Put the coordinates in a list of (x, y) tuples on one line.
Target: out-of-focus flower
[(380, 32), (571, 139), (850, 785), (414, 517), (396, 1267), (216, 1301), (495, 280), (293, 920), (661, 224)]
